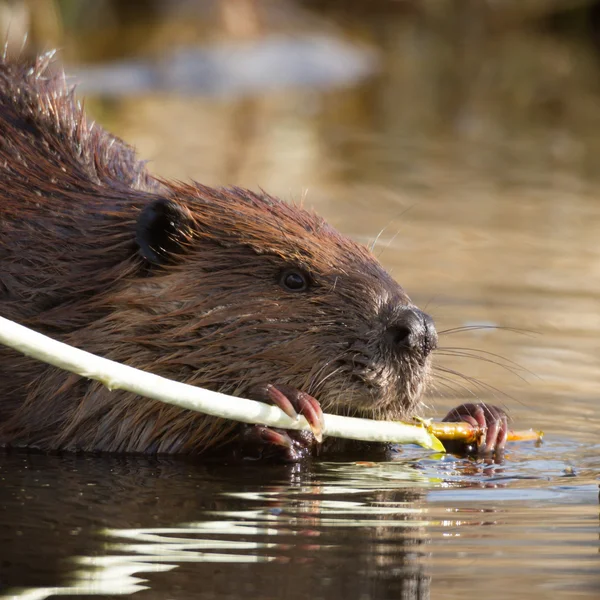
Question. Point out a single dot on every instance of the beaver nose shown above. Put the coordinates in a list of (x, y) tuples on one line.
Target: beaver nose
[(412, 330)]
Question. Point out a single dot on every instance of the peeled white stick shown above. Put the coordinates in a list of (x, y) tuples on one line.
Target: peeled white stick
[(117, 376)]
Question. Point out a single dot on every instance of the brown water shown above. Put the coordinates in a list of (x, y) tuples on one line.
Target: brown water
[(477, 181)]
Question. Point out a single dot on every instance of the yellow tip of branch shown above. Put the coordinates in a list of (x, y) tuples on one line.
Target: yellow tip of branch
[(436, 444)]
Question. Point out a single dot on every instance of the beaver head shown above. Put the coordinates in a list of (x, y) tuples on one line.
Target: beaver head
[(242, 288), (220, 288)]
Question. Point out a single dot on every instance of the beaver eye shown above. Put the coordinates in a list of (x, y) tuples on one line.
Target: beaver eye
[(294, 280)]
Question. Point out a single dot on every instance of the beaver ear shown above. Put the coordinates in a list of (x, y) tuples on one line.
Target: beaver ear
[(160, 230)]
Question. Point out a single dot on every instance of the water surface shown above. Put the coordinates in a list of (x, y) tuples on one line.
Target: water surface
[(408, 528)]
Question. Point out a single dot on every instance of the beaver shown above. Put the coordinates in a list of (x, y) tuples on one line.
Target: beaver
[(225, 288)]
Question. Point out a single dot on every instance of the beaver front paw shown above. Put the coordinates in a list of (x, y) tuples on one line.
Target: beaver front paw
[(259, 441), (492, 421)]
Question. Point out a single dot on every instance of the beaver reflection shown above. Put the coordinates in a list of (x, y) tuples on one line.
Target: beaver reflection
[(113, 526), (227, 289)]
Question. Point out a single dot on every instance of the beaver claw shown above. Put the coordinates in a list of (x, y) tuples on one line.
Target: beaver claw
[(288, 445), (260, 442), (492, 421), (292, 402)]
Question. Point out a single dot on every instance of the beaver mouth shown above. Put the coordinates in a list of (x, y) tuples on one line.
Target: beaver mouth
[(385, 368), (376, 389)]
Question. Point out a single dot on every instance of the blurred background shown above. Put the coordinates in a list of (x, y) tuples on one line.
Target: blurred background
[(460, 137)]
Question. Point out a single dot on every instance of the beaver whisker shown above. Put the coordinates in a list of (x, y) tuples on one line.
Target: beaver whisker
[(464, 328), (437, 369), (449, 383), (439, 389), (487, 353), (486, 387), (512, 367), (317, 381), (362, 360)]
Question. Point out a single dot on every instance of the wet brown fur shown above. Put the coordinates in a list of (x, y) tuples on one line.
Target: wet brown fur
[(214, 315)]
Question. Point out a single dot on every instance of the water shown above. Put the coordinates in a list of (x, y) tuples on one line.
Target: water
[(478, 183), (410, 528)]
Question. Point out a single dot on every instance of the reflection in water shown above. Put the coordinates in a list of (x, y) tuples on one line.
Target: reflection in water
[(152, 551), (322, 530), (354, 530), (98, 576)]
